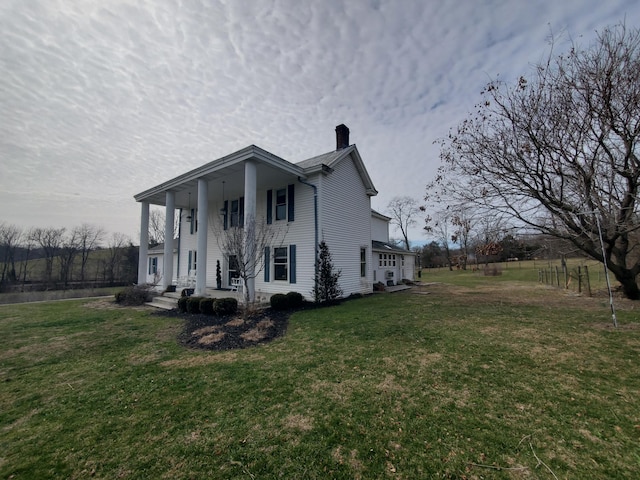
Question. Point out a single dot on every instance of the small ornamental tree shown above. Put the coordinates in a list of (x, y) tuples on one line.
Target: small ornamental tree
[(326, 288), (218, 275)]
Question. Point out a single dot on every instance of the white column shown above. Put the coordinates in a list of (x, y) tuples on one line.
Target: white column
[(143, 251), (203, 220), (167, 270), (250, 185)]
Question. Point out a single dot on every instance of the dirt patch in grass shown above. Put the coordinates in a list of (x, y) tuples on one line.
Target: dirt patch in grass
[(211, 332), (298, 422)]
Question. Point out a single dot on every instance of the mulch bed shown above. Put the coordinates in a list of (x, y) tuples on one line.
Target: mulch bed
[(209, 332)]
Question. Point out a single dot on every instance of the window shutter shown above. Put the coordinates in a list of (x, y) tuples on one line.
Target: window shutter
[(269, 207), (189, 264), (290, 203), (193, 220), (241, 212), (267, 263), (292, 264), (226, 215), (150, 263)]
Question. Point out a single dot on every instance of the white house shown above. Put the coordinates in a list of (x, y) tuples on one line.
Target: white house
[(327, 197)]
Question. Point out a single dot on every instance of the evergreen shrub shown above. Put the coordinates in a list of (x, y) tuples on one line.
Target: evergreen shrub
[(225, 306)]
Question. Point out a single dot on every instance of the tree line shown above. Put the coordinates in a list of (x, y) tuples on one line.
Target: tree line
[(60, 258)]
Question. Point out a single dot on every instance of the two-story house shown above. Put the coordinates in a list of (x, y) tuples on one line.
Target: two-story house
[(327, 197)]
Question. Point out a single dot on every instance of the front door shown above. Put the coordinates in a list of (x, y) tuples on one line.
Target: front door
[(232, 261)]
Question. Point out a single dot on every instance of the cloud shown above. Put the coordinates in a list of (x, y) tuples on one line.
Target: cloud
[(106, 99)]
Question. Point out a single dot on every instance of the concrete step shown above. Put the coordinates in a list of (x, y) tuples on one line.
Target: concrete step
[(164, 302)]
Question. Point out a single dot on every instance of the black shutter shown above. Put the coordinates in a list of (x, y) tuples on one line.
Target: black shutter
[(226, 215), (267, 263), (291, 203), (292, 264), (269, 207)]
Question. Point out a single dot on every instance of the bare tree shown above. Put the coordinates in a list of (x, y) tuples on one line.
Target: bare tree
[(403, 212), (438, 226), (28, 244), (558, 151), (462, 222), (49, 240), (67, 255), (157, 223), (115, 253), (10, 236), (247, 245), (89, 237)]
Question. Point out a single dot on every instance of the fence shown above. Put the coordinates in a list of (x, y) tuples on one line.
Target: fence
[(581, 278)]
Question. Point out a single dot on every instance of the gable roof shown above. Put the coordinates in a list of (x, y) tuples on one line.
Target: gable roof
[(331, 159)]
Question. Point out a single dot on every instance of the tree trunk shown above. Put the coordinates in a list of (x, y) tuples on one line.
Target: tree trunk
[(627, 279)]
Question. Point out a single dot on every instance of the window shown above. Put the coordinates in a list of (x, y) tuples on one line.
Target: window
[(363, 262), (193, 255), (153, 265), (280, 263), (281, 204), (284, 204), (379, 259), (237, 212)]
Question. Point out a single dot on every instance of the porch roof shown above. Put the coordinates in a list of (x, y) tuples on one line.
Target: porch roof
[(231, 165)]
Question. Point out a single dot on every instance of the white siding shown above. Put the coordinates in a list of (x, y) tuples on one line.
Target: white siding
[(346, 225), (379, 229), (300, 233)]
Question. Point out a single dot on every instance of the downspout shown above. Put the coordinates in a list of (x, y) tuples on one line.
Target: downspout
[(315, 219)]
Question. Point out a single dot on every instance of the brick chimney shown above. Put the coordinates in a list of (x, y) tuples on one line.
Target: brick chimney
[(342, 137)]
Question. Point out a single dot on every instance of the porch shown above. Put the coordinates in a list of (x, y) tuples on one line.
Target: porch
[(169, 300)]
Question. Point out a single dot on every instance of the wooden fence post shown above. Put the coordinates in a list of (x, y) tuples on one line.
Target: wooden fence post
[(586, 273), (579, 279)]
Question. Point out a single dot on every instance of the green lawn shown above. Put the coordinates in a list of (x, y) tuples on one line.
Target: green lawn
[(472, 377)]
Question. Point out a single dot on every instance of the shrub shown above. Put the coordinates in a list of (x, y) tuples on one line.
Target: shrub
[(193, 304), (134, 295), (295, 299), (326, 287), (206, 306), (182, 304), (279, 301), (225, 306)]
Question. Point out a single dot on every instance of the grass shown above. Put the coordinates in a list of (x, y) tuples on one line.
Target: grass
[(470, 377)]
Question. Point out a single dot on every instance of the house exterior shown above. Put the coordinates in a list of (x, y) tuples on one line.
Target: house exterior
[(155, 264), (391, 264), (327, 197)]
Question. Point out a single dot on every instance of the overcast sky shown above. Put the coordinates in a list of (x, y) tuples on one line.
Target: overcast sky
[(102, 99)]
